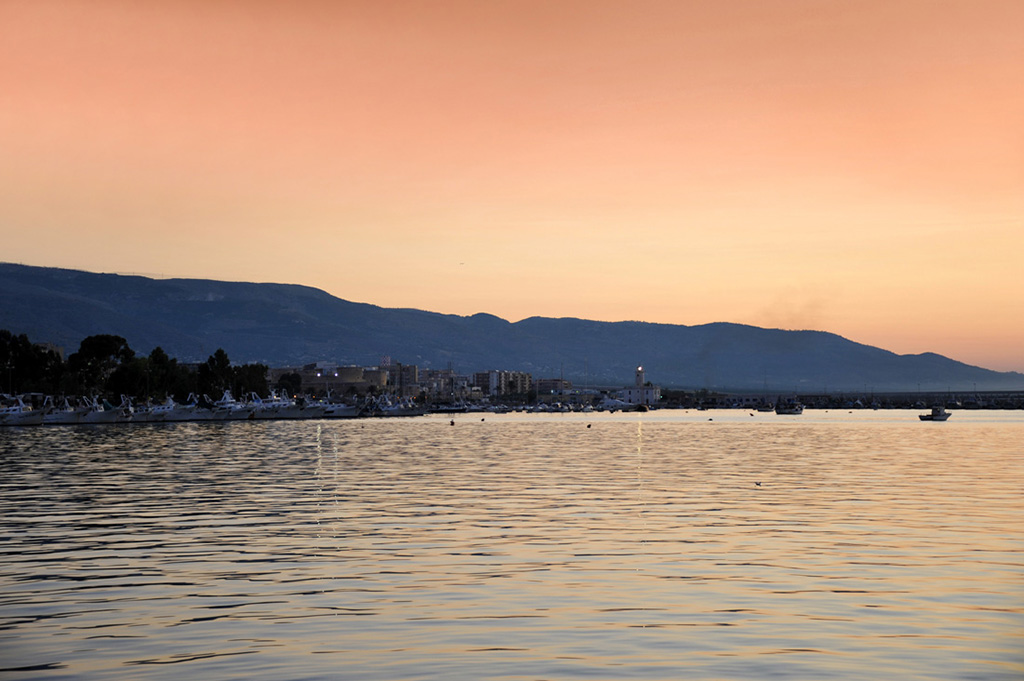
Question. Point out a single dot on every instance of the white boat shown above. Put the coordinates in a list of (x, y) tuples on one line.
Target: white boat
[(227, 408), (191, 410), (167, 411), (937, 414), (613, 405), (61, 415), (280, 407), (170, 411), (14, 412), (95, 412), (403, 407)]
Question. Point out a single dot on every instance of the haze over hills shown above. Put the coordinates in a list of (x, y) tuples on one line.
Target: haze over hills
[(291, 325)]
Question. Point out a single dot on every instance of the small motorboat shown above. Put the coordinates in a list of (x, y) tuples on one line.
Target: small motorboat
[(937, 414)]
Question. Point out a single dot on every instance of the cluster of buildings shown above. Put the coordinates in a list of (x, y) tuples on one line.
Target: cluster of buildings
[(441, 386)]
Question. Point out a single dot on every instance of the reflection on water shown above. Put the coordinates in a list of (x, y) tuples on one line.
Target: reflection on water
[(517, 547)]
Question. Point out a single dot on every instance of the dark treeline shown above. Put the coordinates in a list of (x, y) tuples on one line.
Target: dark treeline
[(106, 366)]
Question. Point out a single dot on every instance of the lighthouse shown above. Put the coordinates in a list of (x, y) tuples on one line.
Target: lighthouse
[(640, 392)]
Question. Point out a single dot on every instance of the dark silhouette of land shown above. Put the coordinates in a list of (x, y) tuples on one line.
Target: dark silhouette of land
[(291, 325)]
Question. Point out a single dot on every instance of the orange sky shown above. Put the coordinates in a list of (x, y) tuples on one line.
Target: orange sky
[(850, 167)]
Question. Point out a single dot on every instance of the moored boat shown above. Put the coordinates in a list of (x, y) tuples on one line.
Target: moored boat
[(164, 412), (61, 415), (403, 407), (15, 412), (789, 408), (96, 412), (280, 407), (227, 408)]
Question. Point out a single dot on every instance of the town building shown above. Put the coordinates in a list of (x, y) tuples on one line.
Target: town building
[(446, 386), (502, 383), (552, 386), (403, 379)]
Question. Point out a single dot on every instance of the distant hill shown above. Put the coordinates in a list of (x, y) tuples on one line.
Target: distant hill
[(291, 325)]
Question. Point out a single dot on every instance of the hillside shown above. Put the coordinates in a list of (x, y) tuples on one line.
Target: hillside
[(289, 325)]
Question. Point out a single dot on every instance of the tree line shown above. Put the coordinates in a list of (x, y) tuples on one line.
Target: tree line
[(106, 366)]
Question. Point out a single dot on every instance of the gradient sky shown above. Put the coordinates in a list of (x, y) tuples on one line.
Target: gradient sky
[(849, 167)]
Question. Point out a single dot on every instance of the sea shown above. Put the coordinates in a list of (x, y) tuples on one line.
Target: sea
[(709, 545)]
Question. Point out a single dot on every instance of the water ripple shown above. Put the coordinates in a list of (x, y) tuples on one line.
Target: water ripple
[(519, 547)]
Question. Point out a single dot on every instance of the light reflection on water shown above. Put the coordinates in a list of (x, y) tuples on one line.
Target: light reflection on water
[(517, 547)]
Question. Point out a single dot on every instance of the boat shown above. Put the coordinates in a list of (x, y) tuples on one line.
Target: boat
[(789, 408), (937, 414), (14, 412), (194, 408), (453, 408), (279, 407), (62, 414), (96, 412), (174, 412), (403, 407), (167, 411), (227, 408)]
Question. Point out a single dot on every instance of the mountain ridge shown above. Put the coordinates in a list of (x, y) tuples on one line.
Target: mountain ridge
[(293, 324)]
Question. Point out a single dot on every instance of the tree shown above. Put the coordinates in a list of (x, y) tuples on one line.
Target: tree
[(97, 358), (291, 383), (167, 377), (28, 367), (250, 378), (130, 378), (215, 375)]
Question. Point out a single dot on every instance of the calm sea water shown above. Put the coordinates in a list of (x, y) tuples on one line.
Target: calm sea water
[(635, 546)]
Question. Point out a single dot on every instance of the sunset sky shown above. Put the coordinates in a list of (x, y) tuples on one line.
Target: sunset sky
[(854, 167)]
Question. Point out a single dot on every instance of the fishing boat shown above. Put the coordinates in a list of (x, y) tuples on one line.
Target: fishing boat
[(167, 411), (281, 407), (61, 414), (789, 408), (95, 411), (194, 408), (14, 412), (402, 407), (937, 414), (227, 408)]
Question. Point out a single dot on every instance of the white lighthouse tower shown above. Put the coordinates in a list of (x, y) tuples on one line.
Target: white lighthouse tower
[(640, 392)]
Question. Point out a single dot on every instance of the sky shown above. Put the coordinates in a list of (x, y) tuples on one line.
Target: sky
[(802, 164)]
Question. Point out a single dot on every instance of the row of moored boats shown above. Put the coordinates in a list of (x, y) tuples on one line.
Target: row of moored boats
[(15, 412)]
